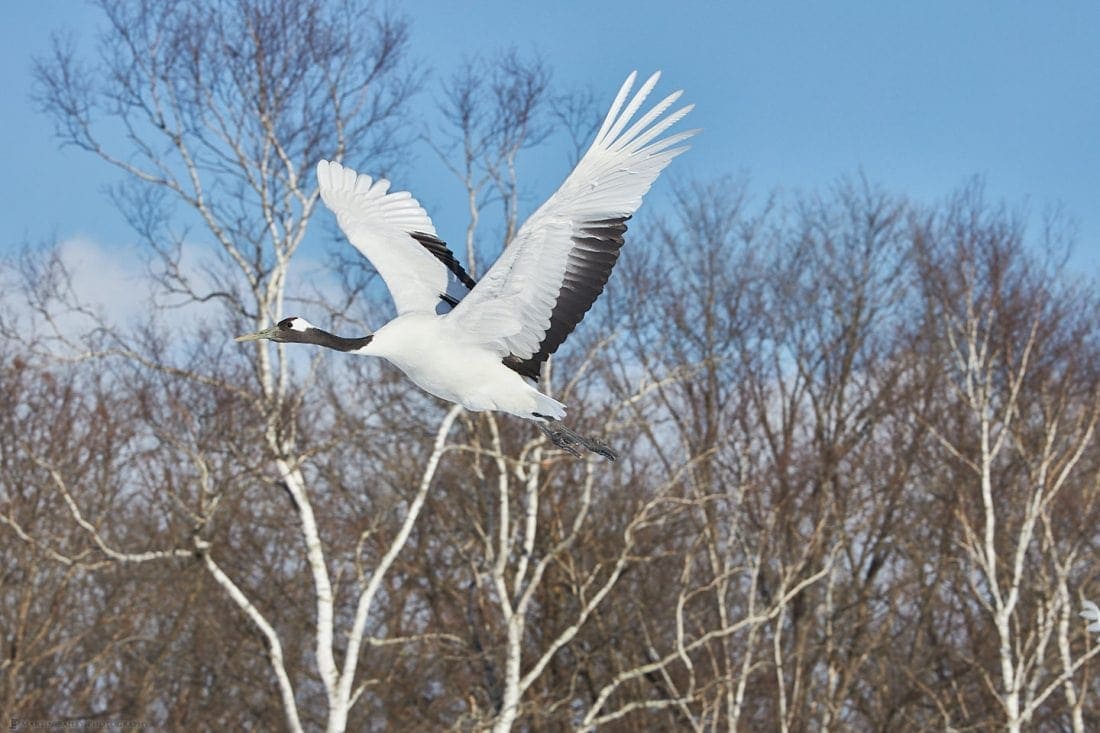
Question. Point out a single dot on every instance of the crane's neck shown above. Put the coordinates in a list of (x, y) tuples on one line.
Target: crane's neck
[(332, 341)]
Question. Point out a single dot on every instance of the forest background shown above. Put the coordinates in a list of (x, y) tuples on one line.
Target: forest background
[(859, 474)]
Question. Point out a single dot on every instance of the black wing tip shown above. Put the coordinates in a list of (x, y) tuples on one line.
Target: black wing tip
[(596, 250), (443, 253)]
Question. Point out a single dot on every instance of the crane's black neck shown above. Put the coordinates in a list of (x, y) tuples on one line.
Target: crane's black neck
[(332, 341)]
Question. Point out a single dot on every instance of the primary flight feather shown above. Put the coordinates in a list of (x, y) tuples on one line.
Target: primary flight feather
[(482, 344)]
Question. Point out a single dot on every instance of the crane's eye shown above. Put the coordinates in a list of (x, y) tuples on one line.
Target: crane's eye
[(293, 323)]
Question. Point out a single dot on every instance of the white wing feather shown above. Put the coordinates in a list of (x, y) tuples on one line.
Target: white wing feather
[(542, 273), (380, 225)]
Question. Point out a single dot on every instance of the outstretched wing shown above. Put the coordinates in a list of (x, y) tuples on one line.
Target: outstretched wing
[(557, 265), (394, 232)]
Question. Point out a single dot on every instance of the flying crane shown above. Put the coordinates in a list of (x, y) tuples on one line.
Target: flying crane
[(482, 344)]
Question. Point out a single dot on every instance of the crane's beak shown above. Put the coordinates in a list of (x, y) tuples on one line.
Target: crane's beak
[(267, 333)]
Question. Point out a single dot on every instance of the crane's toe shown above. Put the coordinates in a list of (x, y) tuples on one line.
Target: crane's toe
[(571, 442)]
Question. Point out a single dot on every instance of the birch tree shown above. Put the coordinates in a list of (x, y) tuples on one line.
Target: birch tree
[(225, 108), (1019, 425)]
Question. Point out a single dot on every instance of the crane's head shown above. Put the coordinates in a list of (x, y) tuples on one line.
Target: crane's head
[(289, 330)]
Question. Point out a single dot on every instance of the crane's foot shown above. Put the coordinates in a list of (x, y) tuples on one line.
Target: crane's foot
[(571, 442)]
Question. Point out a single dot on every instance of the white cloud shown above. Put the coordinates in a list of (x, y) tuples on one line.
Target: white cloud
[(110, 280), (114, 283), (96, 284)]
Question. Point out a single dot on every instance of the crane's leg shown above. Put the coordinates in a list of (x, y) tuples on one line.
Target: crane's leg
[(569, 440)]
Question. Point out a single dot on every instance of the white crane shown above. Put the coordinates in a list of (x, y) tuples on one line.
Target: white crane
[(481, 345)]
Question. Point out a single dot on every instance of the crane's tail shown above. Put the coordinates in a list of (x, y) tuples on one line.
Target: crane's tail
[(546, 408)]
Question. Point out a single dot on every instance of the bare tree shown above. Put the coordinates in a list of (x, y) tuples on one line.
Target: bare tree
[(226, 108), (1019, 423), (493, 109)]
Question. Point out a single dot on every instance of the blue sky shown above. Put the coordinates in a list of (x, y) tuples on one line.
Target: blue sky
[(917, 96)]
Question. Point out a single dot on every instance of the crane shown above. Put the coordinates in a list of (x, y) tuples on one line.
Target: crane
[(482, 344)]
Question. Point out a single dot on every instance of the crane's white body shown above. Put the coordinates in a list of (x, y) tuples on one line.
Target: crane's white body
[(481, 344), (445, 361)]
